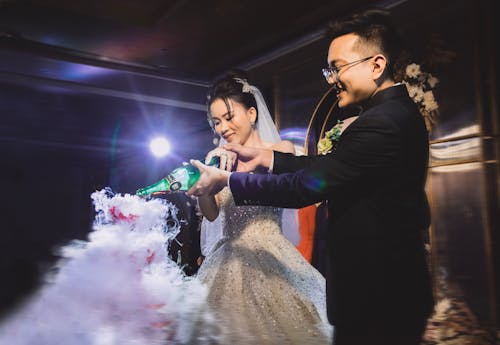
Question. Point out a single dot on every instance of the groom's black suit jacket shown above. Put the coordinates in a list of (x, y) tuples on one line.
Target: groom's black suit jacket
[(374, 185)]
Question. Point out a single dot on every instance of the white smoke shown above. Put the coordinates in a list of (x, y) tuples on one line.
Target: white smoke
[(117, 288)]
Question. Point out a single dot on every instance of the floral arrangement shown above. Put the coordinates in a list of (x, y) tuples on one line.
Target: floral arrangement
[(326, 144), (420, 85)]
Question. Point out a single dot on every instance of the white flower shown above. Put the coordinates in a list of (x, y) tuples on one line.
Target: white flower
[(415, 92), (441, 308), (413, 70), (432, 81), (427, 247), (428, 97), (419, 85), (430, 103)]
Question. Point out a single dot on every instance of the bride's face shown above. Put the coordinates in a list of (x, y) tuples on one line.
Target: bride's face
[(232, 122)]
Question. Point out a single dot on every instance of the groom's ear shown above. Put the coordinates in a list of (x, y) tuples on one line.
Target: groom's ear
[(379, 66)]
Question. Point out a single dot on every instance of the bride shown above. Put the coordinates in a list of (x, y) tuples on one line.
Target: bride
[(260, 287), (120, 287)]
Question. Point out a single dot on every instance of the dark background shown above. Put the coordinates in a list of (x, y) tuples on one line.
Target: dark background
[(84, 86)]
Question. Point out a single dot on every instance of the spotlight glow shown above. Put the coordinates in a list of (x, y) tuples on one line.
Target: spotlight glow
[(160, 147)]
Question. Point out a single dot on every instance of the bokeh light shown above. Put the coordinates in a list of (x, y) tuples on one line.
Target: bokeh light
[(160, 147)]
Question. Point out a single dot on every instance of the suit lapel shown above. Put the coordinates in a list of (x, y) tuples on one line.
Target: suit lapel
[(383, 96)]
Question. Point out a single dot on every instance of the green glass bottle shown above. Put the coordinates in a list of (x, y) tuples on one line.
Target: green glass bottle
[(180, 179)]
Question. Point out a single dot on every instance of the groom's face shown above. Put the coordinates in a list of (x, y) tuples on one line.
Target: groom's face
[(354, 77)]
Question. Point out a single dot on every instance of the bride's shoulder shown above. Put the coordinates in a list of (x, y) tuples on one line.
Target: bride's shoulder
[(283, 146)]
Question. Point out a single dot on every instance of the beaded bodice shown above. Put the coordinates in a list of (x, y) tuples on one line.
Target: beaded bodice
[(239, 220)]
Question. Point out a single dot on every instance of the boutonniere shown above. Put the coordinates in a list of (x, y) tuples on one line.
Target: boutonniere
[(326, 144)]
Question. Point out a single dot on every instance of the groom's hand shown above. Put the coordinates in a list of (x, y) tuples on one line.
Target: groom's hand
[(251, 158), (211, 180), (227, 159)]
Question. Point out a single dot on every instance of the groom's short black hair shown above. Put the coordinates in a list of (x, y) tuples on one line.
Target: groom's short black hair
[(374, 27)]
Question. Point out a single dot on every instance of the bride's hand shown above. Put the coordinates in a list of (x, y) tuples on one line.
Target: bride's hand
[(228, 159)]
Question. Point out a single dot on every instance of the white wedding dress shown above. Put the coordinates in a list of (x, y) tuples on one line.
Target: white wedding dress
[(260, 288)]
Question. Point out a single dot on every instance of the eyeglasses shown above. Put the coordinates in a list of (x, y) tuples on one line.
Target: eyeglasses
[(333, 71)]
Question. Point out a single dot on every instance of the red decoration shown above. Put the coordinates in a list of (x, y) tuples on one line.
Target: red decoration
[(117, 215), (150, 257)]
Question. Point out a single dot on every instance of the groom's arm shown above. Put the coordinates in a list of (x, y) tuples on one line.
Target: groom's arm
[(271, 190), (364, 159), (286, 163)]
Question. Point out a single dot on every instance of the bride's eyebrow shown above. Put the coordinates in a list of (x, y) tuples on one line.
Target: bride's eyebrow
[(227, 113)]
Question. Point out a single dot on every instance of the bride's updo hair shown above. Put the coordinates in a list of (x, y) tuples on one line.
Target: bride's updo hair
[(229, 87)]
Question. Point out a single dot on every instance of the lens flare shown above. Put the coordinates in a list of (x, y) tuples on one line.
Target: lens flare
[(160, 147)]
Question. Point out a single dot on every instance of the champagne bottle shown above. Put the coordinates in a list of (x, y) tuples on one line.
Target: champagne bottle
[(180, 179)]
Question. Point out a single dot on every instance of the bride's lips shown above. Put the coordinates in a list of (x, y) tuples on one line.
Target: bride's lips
[(226, 137)]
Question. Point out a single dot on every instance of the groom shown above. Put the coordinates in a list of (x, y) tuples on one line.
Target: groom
[(378, 286)]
